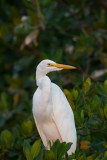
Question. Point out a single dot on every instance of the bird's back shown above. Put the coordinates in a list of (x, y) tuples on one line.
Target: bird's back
[(60, 101), (63, 116)]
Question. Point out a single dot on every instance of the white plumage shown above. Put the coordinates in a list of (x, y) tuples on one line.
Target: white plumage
[(52, 113)]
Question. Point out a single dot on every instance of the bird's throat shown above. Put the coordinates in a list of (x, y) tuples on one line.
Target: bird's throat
[(39, 76)]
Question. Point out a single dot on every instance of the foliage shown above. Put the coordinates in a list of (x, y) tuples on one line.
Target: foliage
[(67, 32)]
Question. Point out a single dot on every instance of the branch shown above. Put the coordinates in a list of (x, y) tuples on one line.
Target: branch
[(38, 13)]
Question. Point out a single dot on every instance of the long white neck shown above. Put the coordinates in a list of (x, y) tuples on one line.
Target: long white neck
[(39, 76), (44, 83)]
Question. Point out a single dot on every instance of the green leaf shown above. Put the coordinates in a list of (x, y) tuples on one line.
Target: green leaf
[(77, 119), (27, 150), (7, 138), (101, 113), (36, 148), (98, 158), (89, 108), (4, 99), (104, 144), (99, 88), (88, 80), (27, 127), (28, 154), (91, 157), (49, 155), (61, 150), (105, 86), (68, 146), (82, 115), (75, 94), (95, 103), (67, 92), (105, 111), (55, 146), (105, 154), (82, 157), (69, 98), (86, 85)]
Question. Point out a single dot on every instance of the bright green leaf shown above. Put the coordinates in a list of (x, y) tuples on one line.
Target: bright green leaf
[(75, 94), (36, 148), (86, 85), (88, 80)]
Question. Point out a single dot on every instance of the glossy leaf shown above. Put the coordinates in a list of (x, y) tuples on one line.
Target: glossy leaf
[(35, 148)]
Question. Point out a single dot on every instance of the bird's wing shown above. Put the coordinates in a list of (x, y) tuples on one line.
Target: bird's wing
[(63, 116), (43, 137), (38, 124)]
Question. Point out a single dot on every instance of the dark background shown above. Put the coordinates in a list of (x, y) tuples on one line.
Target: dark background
[(68, 32)]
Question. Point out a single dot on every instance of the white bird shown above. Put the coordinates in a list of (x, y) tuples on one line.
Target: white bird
[(52, 113)]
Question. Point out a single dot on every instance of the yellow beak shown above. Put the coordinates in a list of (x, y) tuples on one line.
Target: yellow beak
[(61, 66)]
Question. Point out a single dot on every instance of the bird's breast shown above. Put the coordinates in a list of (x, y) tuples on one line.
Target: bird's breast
[(43, 115), (42, 109)]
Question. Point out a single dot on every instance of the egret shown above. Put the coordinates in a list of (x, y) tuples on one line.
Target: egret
[(52, 113)]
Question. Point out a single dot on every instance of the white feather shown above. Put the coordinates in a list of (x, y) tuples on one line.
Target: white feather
[(52, 113)]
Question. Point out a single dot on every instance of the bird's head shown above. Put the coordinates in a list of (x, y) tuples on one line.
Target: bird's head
[(47, 66)]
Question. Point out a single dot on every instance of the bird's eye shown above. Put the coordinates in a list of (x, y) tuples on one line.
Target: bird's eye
[(50, 65)]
